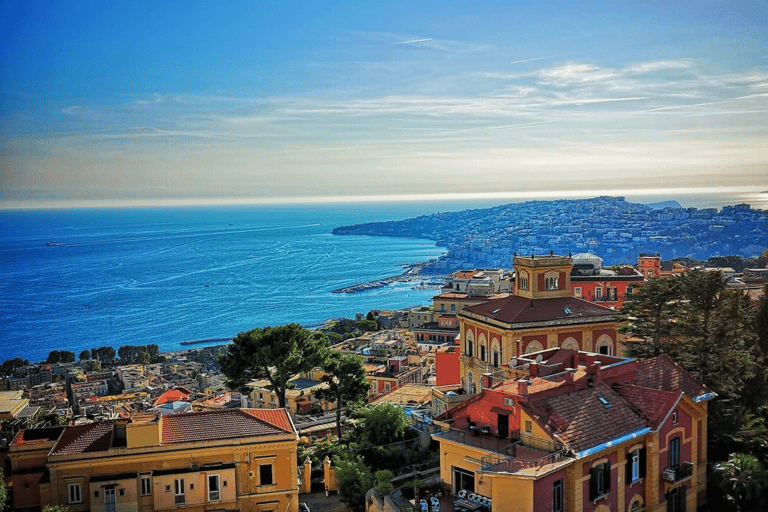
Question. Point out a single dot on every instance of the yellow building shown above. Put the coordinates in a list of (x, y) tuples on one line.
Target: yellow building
[(581, 432), (228, 459), (540, 315), (11, 404)]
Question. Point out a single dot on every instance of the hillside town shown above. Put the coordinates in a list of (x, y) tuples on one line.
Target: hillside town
[(610, 226), (519, 383)]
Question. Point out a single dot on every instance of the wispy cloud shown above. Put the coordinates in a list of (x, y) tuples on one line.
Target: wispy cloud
[(528, 60), (413, 41)]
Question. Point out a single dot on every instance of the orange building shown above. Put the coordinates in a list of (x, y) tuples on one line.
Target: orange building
[(227, 459), (540, 315), (649, 265), (576, 431)]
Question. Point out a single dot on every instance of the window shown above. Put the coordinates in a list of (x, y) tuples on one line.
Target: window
[(469, 348), (523, 281), (146, 486), (676, 499), (600, 480), (577, 292), (557, 496), (453, 307), (73, 492), (121, 492), (178, 486), (482, 352), (442, 308), (265, 474), (674, 416), (550, 283), (495, 358), (674, 453), (598, 293), (635, 465), (214, 491), (528, 426)]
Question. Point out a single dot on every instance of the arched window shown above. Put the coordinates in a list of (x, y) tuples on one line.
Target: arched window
[(481, 346), (551, 281), (533, 346), (469, 344), (604, 345), (495, 353), (570, 343), (523, 277)]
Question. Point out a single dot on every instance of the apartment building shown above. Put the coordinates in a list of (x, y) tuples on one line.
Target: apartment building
[(577, 431), (228, 459)]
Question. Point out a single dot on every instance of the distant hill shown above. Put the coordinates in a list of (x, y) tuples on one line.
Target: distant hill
[(664, 204), (610, 227)]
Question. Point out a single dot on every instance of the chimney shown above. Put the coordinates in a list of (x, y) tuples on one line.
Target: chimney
[(522, 388), (534, 369), (486, 381)]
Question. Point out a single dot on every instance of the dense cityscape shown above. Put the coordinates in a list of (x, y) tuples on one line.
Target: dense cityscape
[(499, 365)]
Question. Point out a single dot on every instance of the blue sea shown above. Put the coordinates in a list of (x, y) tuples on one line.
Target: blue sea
[(136, 276), (140, 276)]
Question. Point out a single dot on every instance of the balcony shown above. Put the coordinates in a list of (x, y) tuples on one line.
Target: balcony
[(477, 437), (675, 475), (519, 452)]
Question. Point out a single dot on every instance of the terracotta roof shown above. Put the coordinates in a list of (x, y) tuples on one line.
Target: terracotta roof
[(582, 421), (224, 424), (515, 310), (172, 395), (37, 435), (663, 373), (93, 437), (276, 417), (652, 405)]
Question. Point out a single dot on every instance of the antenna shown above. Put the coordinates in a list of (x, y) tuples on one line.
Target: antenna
[(513, 362), (526, 366), (539, 358)]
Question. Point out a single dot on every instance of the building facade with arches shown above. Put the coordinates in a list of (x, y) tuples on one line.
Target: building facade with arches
[(540, 315)]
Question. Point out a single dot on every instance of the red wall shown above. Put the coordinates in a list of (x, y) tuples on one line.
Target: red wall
[(447, 368)]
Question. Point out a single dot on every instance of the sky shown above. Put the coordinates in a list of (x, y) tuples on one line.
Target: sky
[(120, 102)]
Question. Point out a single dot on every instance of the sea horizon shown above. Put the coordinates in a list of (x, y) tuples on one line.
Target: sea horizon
[(688, 197), (163, 275)]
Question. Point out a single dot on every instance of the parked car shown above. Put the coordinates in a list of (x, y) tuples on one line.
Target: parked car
[(435, 504)]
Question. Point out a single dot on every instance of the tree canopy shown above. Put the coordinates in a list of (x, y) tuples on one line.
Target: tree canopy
[(275, 354), (346, 383)]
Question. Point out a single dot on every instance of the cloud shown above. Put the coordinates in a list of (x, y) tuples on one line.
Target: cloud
[(413, 41), (658, 65), (575, 73)]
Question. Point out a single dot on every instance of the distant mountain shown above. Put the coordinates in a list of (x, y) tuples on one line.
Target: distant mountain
[(610, 227), (664, 204)]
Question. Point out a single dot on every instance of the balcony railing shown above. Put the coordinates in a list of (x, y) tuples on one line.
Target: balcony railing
[(674, 475), (509, 455)]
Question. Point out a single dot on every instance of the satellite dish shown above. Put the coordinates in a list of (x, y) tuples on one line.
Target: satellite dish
[(513, 362), (526, 366), (539, 358)]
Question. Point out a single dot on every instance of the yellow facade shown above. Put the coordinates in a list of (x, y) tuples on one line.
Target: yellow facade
[(137, 471)]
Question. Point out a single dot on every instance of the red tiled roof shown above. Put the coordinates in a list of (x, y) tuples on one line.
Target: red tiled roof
[(652, 405), (37, 435), (93, 437), (224, 424), (663, 373), (582, 421), (172, 395), (276, 417), (515, 309)]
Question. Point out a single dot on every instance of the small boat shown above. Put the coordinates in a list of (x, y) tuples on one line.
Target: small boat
[(53, 244)]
